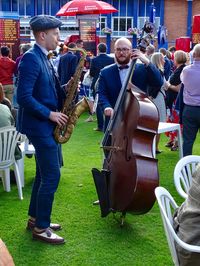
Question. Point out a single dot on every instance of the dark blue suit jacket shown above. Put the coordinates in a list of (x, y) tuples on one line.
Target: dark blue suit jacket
[(38, 93), (67, 67), (110, 83), (97, 64), (167, 68)]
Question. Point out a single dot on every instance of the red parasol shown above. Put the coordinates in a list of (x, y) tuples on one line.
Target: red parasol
[(80, 7)]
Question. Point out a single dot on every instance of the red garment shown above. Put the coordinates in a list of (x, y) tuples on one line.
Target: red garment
[(7, 67), (173, 118)]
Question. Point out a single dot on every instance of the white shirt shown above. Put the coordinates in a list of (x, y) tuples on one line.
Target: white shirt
[(123, 73)]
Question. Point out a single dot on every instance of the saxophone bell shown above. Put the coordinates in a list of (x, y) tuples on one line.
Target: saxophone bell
[(63, 134)]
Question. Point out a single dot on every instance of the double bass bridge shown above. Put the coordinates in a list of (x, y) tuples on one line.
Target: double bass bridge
[(112, 148)]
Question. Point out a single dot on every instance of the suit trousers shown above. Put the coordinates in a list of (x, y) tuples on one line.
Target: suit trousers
[(99, 115), (48, 162), (191, 125)]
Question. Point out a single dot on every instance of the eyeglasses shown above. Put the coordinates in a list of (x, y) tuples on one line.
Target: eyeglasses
[(123, 50)]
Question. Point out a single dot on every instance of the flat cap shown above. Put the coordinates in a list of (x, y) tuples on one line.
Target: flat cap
[(44, 22)]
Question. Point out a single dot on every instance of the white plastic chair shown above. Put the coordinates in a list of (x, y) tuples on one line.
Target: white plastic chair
[(25, 148), (167, 206), (183, 173), (8, 141)]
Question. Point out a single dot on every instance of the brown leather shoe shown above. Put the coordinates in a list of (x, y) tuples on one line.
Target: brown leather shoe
[(174, 148), (31, 225), (169, 144), (48, 236)]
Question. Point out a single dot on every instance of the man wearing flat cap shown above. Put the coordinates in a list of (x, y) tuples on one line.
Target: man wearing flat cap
[(40, 99)]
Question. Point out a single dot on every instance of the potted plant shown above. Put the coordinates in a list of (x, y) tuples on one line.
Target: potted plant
[(107, 30), (133, 31)]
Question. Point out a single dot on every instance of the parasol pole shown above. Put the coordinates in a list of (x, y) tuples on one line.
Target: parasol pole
[(108, 36)]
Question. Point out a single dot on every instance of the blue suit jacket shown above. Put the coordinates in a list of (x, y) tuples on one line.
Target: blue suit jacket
[(38, 93), (97, 64), (67, 67), (167, 68), (110, 84)]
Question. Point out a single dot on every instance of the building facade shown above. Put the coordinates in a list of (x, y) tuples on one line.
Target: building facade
[(175, 15)]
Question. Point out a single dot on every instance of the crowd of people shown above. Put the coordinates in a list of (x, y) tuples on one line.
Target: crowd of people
[(168, 98), (40, 78)]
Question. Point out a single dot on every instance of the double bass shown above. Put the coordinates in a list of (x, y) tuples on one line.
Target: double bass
[(130, 172)]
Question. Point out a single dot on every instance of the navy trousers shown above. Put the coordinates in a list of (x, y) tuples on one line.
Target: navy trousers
[(100, 117), (191, 125), (48, 162)]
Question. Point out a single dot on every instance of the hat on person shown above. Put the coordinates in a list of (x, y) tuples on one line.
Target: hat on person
[(44, 22)]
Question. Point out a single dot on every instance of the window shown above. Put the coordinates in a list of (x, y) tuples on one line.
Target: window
[(102, 23), (121, 25), (25, 31), (68, 29), (141, 21)]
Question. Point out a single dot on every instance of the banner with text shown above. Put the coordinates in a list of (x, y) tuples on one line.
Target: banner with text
[(87, 29), (9, 35)]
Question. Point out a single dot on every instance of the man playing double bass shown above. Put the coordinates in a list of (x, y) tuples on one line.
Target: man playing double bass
[(111, 78)]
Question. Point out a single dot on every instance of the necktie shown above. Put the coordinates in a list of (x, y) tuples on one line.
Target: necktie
[(123, 67), (53, 75)]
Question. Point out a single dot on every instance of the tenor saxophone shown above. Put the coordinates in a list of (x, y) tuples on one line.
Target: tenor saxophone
[(72, 110)]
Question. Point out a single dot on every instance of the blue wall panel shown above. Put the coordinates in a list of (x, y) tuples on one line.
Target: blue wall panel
[(21, 8), (123, 8), (141, 8), (145, 6), (14, 5), (157, 5), (30, 8), (55, 6), (115, 3), (6, 5), (63, 2), (130, 4)]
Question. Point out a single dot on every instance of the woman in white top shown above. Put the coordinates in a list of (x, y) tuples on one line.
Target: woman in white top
[(159, 100)]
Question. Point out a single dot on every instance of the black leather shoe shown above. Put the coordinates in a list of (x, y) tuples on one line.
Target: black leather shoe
[(48, 236), (158, 152), (31, 225), (98, 129)]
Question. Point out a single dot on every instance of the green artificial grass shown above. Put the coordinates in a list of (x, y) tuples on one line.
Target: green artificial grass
[(90, 239)]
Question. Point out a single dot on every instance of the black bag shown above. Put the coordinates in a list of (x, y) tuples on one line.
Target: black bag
[(18, 152), (153, 91)]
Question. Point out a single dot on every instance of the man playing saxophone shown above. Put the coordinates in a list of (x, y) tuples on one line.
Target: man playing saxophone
[(40, 99)]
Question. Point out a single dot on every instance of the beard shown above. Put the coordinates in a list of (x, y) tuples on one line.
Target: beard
[(123, 60)]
